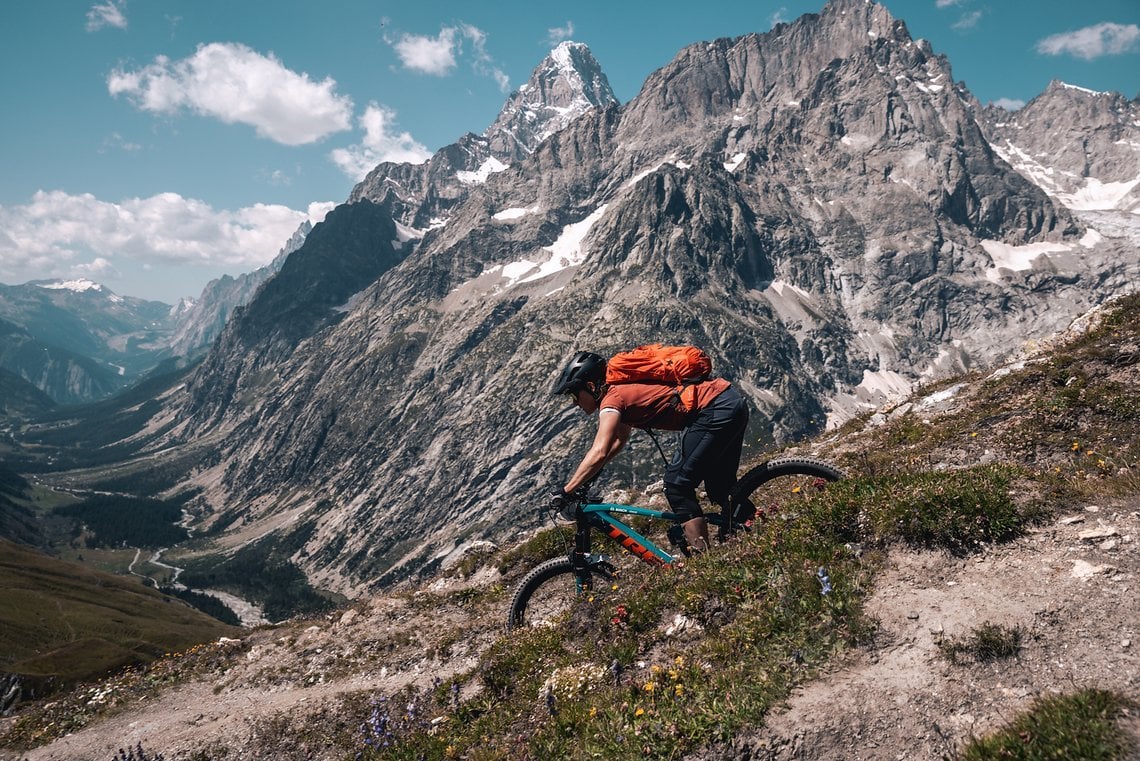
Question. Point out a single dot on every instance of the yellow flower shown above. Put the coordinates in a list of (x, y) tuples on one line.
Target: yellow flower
[(679, 661), (650, 686), (639, 712), (1076, 445), (593, 711), (679, 690)]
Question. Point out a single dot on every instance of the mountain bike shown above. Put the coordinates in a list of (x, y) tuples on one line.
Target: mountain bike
[(550, 589)]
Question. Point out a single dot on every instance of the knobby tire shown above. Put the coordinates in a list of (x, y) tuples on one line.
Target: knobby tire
[(550, 589), (773, 480)]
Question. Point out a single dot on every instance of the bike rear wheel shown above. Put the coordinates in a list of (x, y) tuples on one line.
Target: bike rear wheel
[(551, 589), (774, 487)]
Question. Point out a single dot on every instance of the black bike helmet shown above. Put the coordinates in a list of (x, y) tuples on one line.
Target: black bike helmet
[(584, 368)]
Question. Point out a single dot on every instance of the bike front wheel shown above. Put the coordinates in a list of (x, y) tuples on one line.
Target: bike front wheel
[(550, 590), (774, 487)]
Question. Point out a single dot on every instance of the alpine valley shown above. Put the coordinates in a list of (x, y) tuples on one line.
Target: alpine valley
[(822, 207)]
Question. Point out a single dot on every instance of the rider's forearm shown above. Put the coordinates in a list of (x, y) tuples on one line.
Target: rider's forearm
[(594, 460)]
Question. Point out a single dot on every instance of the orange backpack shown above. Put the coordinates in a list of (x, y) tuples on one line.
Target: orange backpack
[(680, 366)]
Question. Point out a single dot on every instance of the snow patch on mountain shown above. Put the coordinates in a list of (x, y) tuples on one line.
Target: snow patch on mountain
[(80, 285), (1095, 195), (735, 162), (1078, 88), (567, 251), (513, 213), (1005, 256), (480, 175), (791, 303)]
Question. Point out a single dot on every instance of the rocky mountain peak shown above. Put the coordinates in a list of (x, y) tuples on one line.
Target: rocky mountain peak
[(565, 85), (854, 53), (1079, 145), (568, 83)]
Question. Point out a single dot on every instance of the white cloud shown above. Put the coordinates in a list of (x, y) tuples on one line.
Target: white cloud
[(1009, 104), (380, 143), (232, 83), (967, 21), (109, 13), (429, 55), (778, 16), (947, 3), (1093, 41), (115, 141), (484, 65), (557, 34), (438, 55), (58, 234), (98, 268), (318, 210)]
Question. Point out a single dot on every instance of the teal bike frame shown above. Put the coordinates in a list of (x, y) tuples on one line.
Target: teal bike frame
[(601, 517)]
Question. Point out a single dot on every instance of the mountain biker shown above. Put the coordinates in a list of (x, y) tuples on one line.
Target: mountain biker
[(711, 442)]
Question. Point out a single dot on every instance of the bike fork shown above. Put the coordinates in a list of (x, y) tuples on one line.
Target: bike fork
[(580, 557)]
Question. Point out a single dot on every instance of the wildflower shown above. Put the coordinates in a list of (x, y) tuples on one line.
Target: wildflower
[(639, 712), (650, 687), (678, 690), (593, 711), (1076, 446), (679, 661)]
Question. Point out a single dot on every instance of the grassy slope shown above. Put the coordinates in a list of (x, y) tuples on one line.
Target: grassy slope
[(67, 621)]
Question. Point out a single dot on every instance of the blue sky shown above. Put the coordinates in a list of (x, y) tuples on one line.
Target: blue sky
[(154, 145)]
